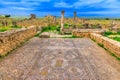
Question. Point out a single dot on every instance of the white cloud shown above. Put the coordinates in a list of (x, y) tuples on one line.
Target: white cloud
[(77, 4), (21, 8), (91, 3), (62, 4), (20, 3), (37, 0)]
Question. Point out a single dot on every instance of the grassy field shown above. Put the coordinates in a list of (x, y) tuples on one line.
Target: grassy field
[(114, 36)]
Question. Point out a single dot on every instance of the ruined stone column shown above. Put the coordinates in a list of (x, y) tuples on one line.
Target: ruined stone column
[(74, 19), (112, 24), (54, 21), (62, 22)]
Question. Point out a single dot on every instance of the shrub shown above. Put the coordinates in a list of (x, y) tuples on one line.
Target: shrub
[(118, 32), (66, 26), (16, 26), (108, 33), (50, 28)]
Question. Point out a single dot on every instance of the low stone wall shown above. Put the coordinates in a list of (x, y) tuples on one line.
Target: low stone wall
[(11, 39), (86, 32), (111, 45)]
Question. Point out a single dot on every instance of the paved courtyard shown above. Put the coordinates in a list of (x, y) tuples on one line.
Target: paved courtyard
[(59, 59)]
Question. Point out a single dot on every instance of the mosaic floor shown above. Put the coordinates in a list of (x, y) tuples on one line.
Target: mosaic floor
[(59, 59)]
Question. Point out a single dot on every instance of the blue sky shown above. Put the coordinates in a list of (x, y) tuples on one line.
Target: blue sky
[(96, 8)]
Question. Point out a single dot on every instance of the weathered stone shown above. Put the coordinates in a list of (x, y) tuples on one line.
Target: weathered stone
[(44, 35), (86, 32), (111, 45), (74, 19), (59, 59), (32, 16), (62, 22), (11, 39)]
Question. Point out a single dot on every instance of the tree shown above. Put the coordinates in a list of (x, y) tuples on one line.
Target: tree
[(7, 16), (107, 18)]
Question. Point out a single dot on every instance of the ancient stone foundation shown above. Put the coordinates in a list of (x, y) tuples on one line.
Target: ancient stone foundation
[(11, 39), (86, 32), (95, 34), (111, 45)]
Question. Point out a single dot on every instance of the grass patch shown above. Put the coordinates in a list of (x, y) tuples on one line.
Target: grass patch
[(116, 38), (118, 32), (71, 37), (51, 28), (108, 33), (2, 29), (66, 26), (111, 35)]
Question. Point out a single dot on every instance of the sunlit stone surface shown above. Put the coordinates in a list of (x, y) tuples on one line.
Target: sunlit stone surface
[(59, 59)]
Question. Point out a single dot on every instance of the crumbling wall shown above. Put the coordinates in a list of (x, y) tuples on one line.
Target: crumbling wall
[(11, 39), (86, 32), (109, 44)]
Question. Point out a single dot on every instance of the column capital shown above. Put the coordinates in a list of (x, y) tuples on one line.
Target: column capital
[(75, 12), (62, 11)]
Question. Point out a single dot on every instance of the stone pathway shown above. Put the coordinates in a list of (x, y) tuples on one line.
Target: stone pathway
[(59, 59)]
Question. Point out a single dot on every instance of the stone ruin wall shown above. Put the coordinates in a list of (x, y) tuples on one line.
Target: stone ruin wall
[(111, 45), (86, 32), (9, 40), (46, 21)]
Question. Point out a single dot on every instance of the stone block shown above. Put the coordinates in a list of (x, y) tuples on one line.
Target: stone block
[(45, 35)]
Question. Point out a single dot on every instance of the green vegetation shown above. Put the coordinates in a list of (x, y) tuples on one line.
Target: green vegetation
[(71, 37), (16, 26), (51, 28), (101, 45), (7, 16), (116, 38), (2, 29), (111, 33), (66, 26), (108, 33)]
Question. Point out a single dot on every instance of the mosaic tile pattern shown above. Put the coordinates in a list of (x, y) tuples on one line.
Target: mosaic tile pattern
[(59, 59)]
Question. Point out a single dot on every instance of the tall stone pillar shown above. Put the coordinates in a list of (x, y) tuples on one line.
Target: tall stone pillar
[(62, 22), (112, 24), (74, 19), (54, 21)]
